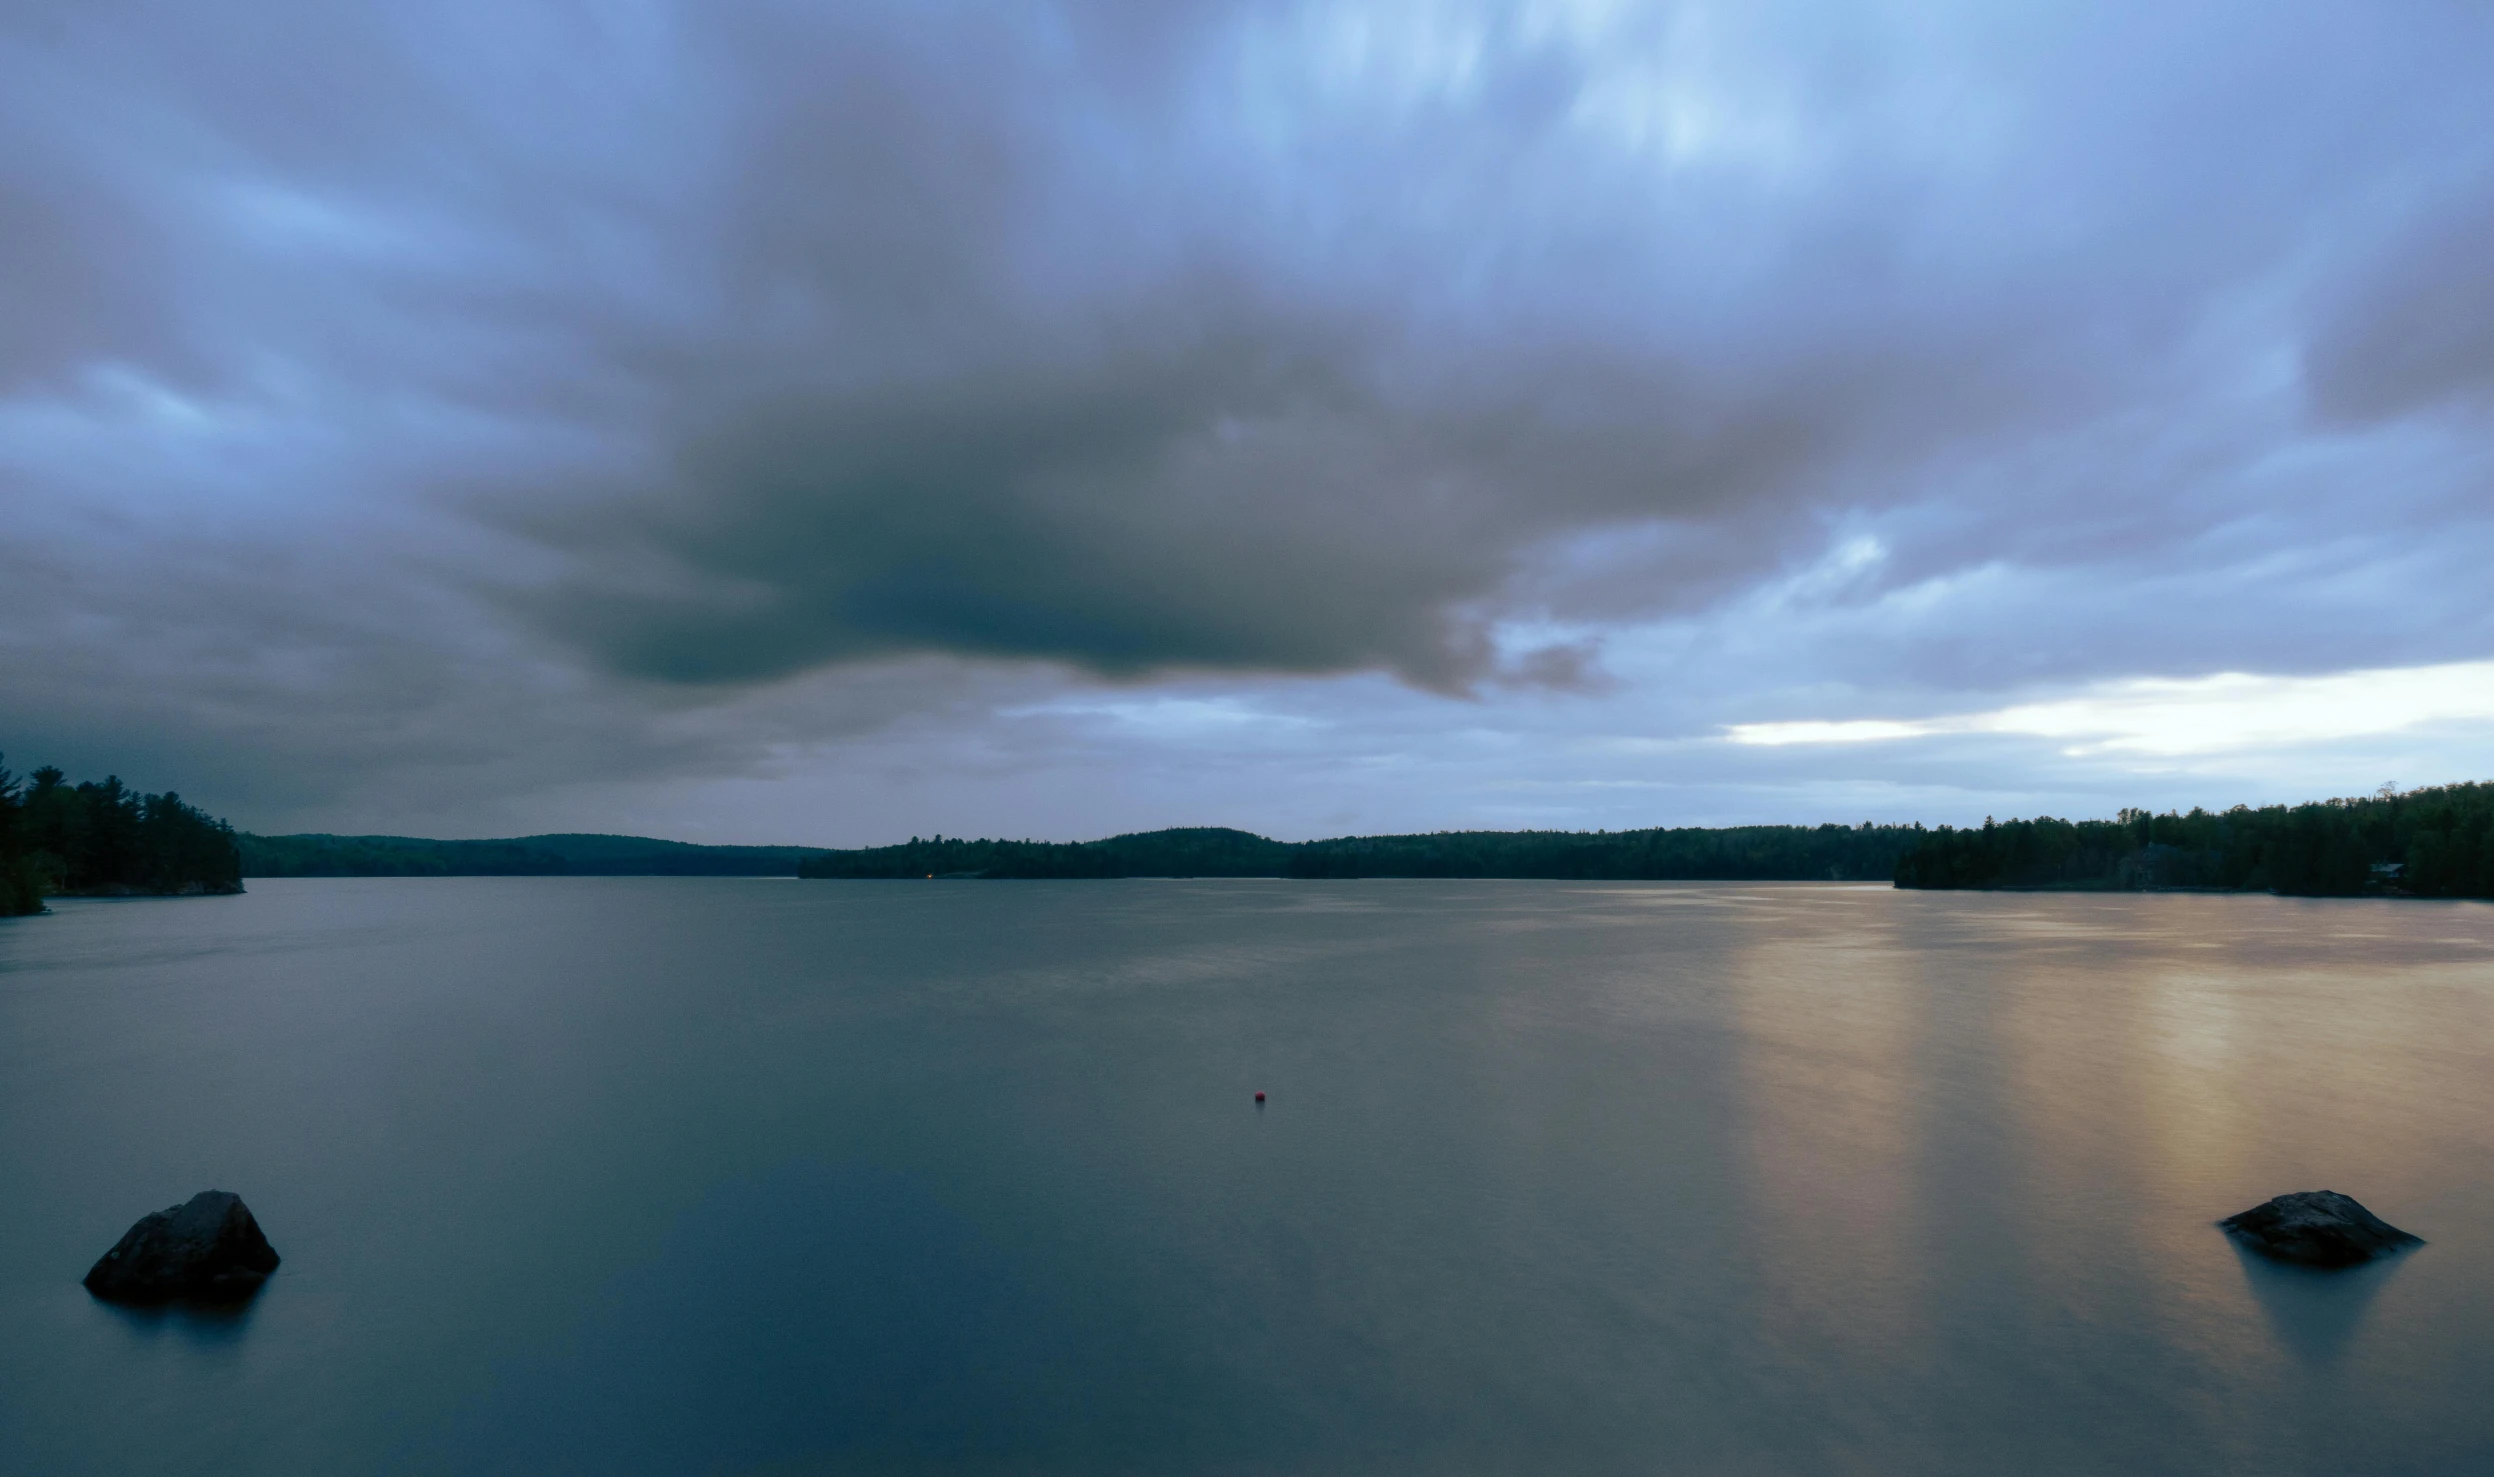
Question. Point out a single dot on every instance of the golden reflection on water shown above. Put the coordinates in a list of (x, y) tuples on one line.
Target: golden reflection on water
[(1831, 1102), (2096, 1081)]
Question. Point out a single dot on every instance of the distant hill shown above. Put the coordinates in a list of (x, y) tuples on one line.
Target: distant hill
[(1737, 854), (565, 855)]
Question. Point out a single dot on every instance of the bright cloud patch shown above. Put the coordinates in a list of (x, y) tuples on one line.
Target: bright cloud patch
[(2206, 715)]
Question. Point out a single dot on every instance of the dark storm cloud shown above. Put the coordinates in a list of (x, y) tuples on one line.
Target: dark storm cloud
[(1008, 357), (1251, 497)]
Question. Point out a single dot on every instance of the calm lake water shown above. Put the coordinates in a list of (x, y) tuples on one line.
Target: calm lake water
[(694, 1175)]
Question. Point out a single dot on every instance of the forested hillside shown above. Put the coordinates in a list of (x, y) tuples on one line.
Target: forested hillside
[(522, 856), (1742, 853), (1828, 853), (2427, 843), (93, 837)]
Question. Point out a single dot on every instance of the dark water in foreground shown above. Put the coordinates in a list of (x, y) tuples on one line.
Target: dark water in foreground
[(620, 1175)]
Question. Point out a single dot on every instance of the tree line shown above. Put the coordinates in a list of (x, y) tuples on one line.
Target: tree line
[(2434, 842), (320, 855), (1740, 853), (94, 838), (102, 837)]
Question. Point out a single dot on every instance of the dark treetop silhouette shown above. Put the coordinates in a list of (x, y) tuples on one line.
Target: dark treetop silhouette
[(574, 855), (103, 838), (2436, 842)]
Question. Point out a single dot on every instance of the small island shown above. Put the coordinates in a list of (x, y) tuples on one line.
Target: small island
[(105, 840)]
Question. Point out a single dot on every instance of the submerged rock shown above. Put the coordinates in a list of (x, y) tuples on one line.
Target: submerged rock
[(209, 1248), (2317, 1228)]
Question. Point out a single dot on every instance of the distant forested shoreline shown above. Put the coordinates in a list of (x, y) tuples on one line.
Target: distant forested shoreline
[(2436, 842), (1757, 853), (101, 838), (1731, 854), (564, 855)]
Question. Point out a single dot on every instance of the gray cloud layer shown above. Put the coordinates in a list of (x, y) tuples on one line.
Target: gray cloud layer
[(513, 392)]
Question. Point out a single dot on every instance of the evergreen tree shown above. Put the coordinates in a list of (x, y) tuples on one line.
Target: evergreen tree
[(102, 838)]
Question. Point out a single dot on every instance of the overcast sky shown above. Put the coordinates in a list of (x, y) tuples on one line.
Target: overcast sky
[(832, 423)]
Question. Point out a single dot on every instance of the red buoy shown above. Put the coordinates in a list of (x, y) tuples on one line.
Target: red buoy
[(1259, 1097)]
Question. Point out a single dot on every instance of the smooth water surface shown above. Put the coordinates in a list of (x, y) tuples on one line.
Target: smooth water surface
[(692, 1175)]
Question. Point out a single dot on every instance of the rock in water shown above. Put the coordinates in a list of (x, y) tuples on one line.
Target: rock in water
[(210, 1248), (2318, 1228)]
